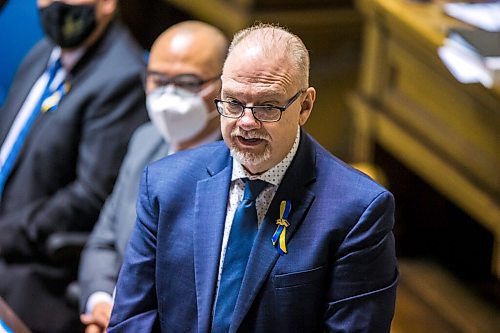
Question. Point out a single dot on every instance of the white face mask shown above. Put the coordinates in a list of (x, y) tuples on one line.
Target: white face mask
[(178, 114)]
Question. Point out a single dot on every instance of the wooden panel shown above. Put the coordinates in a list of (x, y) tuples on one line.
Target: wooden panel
[(431, 300), (300, 4), (229, 16), (457, 125), (446, 132), (432, 167)]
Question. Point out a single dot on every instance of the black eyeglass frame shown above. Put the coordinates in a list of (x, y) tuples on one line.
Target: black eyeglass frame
[(243, 107), (194, 86)]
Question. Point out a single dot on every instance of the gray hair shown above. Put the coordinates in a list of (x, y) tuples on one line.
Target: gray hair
[(275, 39)]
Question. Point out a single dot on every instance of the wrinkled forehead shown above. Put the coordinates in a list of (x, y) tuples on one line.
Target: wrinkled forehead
[(253, 69)]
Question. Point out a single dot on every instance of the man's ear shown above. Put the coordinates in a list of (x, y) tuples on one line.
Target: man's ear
[(307, 105)]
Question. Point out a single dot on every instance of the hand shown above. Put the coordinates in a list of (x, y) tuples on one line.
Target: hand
[(98, 320)]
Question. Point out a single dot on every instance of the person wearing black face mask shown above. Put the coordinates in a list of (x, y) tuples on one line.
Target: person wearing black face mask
[(68, 25), (64, 129)]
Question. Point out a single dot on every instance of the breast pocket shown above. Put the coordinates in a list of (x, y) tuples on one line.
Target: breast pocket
[(300, 299)]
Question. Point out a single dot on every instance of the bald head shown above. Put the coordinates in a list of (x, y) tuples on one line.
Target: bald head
[(189, 47), (272, 42), (188, 57)]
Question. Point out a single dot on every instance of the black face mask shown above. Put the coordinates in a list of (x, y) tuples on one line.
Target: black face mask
[(68, 25)]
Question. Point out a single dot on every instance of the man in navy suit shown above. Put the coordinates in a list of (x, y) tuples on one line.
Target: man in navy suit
[(322, 258)]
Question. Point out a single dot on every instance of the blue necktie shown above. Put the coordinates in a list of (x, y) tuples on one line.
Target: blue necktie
[(48, 94), (239, 245)]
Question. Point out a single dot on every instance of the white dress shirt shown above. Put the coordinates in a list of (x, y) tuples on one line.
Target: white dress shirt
[(272, 176)]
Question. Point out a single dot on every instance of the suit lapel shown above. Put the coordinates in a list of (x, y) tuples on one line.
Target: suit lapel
[(78, 73), (263, 257), (211, 205), (20, 89), (19, 96)]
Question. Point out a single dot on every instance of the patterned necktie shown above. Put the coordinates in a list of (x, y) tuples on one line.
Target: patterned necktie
[(239, 245), (48, 102)]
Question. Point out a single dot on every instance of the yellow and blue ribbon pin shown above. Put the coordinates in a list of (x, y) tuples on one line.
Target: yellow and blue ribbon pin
[(51, 102), (279, 236)]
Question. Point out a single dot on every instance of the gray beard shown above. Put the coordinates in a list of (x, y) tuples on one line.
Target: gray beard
[(249, 158)]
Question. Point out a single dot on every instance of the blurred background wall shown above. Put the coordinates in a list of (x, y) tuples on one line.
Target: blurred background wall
[(19, 30)]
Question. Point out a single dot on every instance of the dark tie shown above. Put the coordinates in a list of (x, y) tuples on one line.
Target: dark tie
[(239, 245), (16, 148)]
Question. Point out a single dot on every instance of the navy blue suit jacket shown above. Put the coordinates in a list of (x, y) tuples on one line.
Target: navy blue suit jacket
[(339, 274)]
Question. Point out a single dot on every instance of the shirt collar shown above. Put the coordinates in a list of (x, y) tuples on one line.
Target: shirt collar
[(273, 175), (54, 55), (68, 58)]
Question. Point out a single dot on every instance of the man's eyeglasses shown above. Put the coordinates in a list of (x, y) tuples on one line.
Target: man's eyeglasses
[(264, 113), (190, 82)]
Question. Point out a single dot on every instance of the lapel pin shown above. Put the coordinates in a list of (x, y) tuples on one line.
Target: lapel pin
[(279, 236), (52, 101)]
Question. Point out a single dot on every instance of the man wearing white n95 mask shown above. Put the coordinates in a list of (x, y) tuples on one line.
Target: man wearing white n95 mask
[(182, 80), (178, 112)]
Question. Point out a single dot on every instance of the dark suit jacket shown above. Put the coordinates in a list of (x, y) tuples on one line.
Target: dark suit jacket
[(104, 251), (339, 274), (70, 159)]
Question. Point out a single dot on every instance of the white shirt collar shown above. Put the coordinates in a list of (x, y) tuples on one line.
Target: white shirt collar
[(68, 58), (273, 175)]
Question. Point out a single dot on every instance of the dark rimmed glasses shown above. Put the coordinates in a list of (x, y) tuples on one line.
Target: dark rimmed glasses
[(190, 82), (264, 113)]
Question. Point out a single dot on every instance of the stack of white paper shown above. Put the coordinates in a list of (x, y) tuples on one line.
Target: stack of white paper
[(464, 66), (482, 15), (463, 61)]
